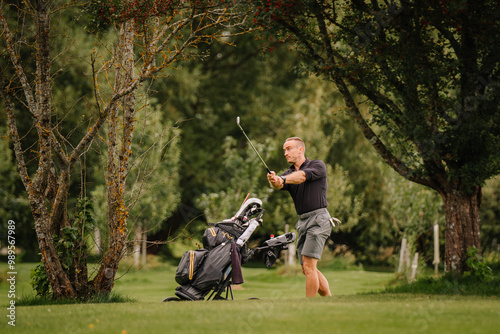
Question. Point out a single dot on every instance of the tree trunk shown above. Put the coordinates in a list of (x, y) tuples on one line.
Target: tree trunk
[(462, 227), (59, 281), (118, 162)]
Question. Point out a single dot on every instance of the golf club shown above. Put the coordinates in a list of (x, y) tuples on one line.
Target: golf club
[(238, 122)]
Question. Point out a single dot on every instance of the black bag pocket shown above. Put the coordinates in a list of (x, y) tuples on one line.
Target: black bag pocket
[(189, 265), (214, 236)]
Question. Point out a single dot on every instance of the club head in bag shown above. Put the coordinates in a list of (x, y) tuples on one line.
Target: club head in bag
[(270, 258)]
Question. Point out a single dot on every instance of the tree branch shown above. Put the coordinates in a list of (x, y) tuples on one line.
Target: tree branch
[(14, 57), (379, 146), (14, 135)]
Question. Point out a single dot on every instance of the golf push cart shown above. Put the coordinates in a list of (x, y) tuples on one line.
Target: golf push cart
[(212, 270)]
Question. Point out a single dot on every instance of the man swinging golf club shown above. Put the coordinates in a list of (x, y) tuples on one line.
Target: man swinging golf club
[(306, 182)]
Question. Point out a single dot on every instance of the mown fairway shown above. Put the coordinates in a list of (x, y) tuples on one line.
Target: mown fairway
[(280, 309)]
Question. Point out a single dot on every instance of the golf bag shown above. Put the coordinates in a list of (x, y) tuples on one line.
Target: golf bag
[(213, 269)]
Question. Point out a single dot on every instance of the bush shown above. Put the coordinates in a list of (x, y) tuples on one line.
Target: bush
[(450, 285), (477, 267), (478, 280), (341, 258)]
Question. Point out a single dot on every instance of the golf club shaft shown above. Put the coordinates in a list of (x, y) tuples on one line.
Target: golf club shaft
[(238, 122)]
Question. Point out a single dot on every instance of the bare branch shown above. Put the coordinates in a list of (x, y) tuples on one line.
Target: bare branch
[(14, 135), (14, 57)]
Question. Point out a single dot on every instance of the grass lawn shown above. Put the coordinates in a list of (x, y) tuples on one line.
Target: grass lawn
[(280, 309)]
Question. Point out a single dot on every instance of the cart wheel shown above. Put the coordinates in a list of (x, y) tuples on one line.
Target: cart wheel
[(171, 299)]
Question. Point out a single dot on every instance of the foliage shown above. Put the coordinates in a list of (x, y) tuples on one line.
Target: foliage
[(490, 216), (153, 179), (40, 281), (478, 269), (376, 48), (243, 170), (13, 203), (373, 239), (7, 174), (449, 285), (231, 81), (65, 245), (338, 259), (413, 210), (154, 175), (71, 246), (83, 219), (427, 72), (105, 13)]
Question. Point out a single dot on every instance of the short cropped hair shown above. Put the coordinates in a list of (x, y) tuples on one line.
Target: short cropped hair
[(300, 142)]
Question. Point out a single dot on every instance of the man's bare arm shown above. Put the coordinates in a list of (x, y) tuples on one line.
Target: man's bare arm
[(276, 181), (296, 177)]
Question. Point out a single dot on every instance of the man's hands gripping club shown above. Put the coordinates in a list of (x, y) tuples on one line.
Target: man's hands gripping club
[(275, 181)]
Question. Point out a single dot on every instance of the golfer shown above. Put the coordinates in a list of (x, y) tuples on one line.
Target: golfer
[(306, 182)]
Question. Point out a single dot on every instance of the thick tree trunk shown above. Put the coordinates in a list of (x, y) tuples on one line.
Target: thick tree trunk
[(462, 227), (59, 281)]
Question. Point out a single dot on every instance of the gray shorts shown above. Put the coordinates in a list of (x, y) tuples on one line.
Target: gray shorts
[(313, 229)]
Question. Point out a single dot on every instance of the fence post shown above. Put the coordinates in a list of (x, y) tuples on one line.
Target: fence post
[(402, 255), (436, 249), (97, 241), (290, 252), (414, 266), (286, 251)]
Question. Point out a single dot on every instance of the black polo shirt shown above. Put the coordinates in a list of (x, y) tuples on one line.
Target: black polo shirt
[(311, 194)]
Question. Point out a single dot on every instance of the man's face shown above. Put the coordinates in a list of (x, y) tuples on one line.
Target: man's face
[(292, 151)]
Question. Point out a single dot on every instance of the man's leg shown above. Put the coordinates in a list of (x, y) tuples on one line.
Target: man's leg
[(324, 287), (315, 281)]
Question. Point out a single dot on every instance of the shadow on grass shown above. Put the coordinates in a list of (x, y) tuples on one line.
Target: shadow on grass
[(113, 297)]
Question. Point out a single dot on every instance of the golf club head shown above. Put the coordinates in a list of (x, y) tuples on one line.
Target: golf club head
[(238, 120)]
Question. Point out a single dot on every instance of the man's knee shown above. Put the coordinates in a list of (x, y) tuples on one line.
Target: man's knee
[(309, 265)]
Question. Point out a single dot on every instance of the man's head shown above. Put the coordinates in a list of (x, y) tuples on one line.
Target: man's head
[(294, 149)]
